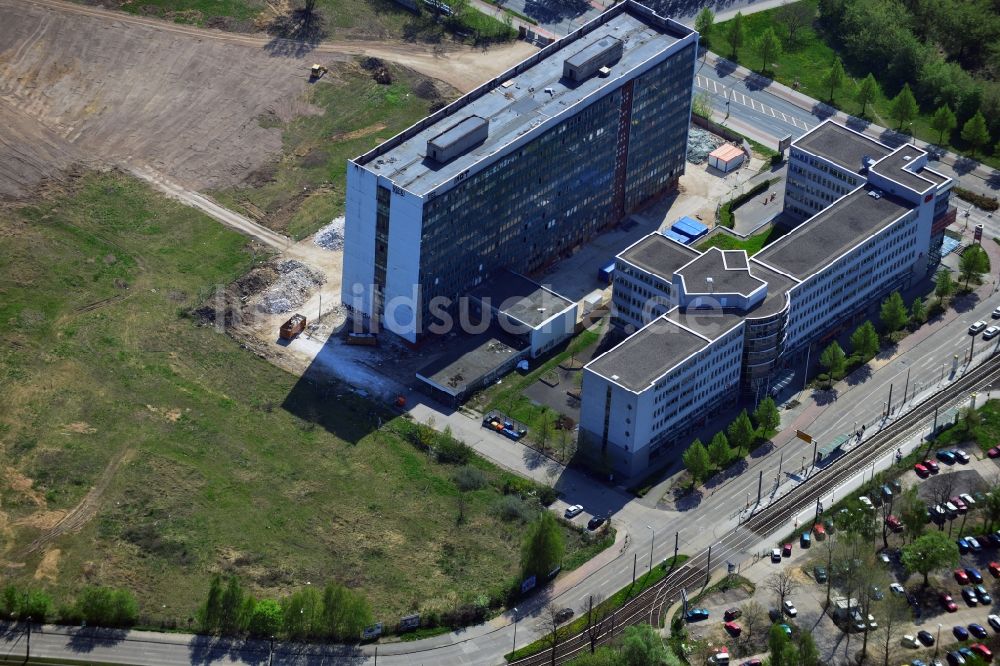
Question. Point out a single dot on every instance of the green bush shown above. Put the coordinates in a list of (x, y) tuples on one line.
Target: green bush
[(19, 604), (977, 200), (512, 507), (470, 478)]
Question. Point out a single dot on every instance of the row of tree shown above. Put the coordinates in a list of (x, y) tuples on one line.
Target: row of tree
[(336, 613), (100, 606), (733, 443)]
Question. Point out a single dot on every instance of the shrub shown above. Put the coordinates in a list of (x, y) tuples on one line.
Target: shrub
[(450, 450), (977, 200), (512, 507), (470, 478)]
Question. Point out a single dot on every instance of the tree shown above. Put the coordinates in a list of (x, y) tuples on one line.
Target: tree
[(106, 607), (753, 615), (230, 608), (543, 547), (767, 418), (211, 610), (718, 450), (973, 263), (596, 614), (783, 652), (975, 132), (894, 314), (944, 285), (795, 16), (697, 461), (903, 107), (868, 92), (912, 513), (930, 552), (551, 615), (740, 433), (345, 613), (736, 33), (892, 615), (918, 311), (808, 652), (265, 619), (943, 121), (704, 23), (833, 359), (642, 646), (303, 613), (834, 77), (864, 341), (768, 47), (782, 584), (991, 509)]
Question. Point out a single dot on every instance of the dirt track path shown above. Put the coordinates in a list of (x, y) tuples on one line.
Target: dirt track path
[(460, 66)]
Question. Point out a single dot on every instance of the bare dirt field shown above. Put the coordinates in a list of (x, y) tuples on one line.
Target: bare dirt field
[(106, 87)]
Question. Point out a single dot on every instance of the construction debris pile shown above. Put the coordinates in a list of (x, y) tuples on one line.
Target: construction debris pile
[(331, 237), (292, 288), (700, 144)]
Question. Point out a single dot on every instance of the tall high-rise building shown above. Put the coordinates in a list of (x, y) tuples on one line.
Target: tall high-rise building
[(520, 171)]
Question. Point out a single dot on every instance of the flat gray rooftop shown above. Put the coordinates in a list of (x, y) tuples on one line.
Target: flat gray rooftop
[(894, 167), (517, 101), (815, 243), (710, 323), (726, 275), (643, 357), (521, 298), (659, 255), (469, 358), (778, 285), (841, 146)]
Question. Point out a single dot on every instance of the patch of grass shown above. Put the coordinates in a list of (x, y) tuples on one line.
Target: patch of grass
[(752, 245), (586, 551), (803, 65), (617, 600), (985, 432), (516, 14), (232, 464), (304, 189), (420, 634)]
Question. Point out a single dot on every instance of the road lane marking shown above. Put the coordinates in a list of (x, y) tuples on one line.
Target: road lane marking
[(732, 95)]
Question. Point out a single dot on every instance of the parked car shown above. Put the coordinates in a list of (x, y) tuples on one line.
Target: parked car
[(974, 544), (959, 504), (876, 593), (969, 595), (732, 614), (994, 452), (978, 630), (991, 332), (961, 456), (938, 513), (994, 568), (963, 545), (733, 628), (564, 614), (925, 637), (977, 327), (893, 523), (786, 550), (982, 651), (696, 615), (896, 588), (921, 470), (789, 608), (983, 595), (961, 577), (947, 602), (969, 500), (955, 658), (595, 522), (961, 633), (994, 621), (785, 628), (819, 531), (996, 312), (776, 555), (866, 502), (819, 573), (574, 511), (974, 575), (946, 457), (909, 641), (952, 510), (932, 466)]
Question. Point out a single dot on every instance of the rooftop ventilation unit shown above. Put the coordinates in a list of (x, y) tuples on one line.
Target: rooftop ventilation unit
[(458, 138), (867, 162), (591, 59)]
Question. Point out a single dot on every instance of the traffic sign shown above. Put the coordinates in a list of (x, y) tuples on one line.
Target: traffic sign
[(804, 436)]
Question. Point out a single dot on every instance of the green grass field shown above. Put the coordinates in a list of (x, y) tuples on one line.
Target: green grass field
[(752, 245), (99, 362), (304, 188), (804, 64)]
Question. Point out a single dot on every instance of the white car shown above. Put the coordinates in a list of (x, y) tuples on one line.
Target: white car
[(996, 313), (574, 511), (872, 624), (978, 326), (994, 621), (776, 555), (968, 499), (867, 502), (973, 543), (991, 332), (909, 641), (897, 589), (790, 609)]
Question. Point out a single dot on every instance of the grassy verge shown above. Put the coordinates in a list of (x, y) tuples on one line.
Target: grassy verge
[(984, 430), (304, 189), (589, 551), (420, 634), (226, 463), (616, 601), (804, 64), (752, 245), (515, 14)]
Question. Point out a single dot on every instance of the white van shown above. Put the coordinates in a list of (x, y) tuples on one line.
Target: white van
[(720, 658)]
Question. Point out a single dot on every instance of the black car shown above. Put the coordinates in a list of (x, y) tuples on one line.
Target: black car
[(925, 637), (595, 522), (564, 614)]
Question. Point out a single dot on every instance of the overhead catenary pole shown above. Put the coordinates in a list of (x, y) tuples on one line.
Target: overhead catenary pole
[(906, 386), (888, 410), (805, 374), (760, 484)]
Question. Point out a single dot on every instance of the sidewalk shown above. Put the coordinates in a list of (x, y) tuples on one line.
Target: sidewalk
[(810, 105)]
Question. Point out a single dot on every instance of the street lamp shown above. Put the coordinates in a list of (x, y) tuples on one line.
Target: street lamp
[(937, 643), (514, 647), (652, 538), (27, 655), (270, 654)]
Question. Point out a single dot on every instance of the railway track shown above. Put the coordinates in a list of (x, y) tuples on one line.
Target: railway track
[(651, 604)]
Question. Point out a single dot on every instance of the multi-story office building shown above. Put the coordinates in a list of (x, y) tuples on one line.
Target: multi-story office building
[(520, 171), (718, 325)]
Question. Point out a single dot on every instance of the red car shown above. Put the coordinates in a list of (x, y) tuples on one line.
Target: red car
[(959, 504), (786, 550), (982, 651), (961, 577), (894, 524), (947, 602), (819, 531), (931, 466), (921, 471), (733, 628), (995, 569), (994, 452)]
